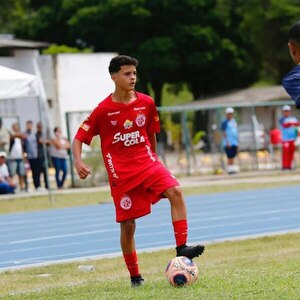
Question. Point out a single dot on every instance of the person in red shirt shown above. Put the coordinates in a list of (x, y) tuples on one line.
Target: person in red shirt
[(127, 122)]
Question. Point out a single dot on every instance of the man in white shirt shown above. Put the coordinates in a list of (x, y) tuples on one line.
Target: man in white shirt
[(15, 159), (7, 186)]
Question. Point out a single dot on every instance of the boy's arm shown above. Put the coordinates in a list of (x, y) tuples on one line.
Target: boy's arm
[(152, 140), (82, 169)]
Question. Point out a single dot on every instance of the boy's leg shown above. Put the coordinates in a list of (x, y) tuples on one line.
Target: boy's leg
[(179, 220), (129, 252)]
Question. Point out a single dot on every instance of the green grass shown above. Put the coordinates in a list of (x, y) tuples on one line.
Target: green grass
[(78, 199), (264, 268)]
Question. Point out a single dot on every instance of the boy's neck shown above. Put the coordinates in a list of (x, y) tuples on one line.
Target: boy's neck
[(123, 96)]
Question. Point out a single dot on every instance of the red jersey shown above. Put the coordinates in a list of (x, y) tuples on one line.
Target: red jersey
[(123, 130)]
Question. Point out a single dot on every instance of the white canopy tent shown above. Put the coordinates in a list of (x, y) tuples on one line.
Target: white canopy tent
[(15, 84)]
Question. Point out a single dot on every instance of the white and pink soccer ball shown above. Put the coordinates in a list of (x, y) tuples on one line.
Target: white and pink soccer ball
[(181, 271)]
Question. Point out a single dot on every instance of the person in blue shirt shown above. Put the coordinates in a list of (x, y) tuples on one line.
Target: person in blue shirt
[(291, 81), (289, 133), (230, 139)]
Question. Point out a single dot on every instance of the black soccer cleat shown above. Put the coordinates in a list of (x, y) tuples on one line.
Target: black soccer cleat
[(137, 281), (189, 251)]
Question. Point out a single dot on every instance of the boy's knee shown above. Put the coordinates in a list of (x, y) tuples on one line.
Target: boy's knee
[(128, 227), (174, 192)]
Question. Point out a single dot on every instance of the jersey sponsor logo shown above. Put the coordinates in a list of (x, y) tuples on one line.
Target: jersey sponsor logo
[(139, 108), (140, 120), (150, 153), (129, 139), (128, 124), (113, 113), (125, 202), (111, 165)]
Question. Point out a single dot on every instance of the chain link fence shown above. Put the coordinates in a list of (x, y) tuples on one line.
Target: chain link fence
[(186, 150)]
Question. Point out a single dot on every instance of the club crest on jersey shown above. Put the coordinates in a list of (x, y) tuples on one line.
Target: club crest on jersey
[(125, 202), (140, 120), (128, 124)]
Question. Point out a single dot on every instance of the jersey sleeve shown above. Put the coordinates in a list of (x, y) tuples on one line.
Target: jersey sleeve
[(154, 123), (291, 83), (88, 128)]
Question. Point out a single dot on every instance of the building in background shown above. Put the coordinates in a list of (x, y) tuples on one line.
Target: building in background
[(67, 82)]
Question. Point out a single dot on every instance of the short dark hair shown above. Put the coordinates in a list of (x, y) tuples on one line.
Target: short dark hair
[(294, 33), (117, 62)]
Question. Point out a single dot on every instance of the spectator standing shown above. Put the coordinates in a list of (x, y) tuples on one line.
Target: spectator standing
[(4, 137), (42, 142), (59, 154), (230, 139), (7, 186), (15, 160), (288, 127), (30, 147)]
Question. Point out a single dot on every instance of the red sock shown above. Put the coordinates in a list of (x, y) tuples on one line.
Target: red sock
[(132, 263), (180, 231)]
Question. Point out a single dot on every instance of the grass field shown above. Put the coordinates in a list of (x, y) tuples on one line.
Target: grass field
[(264, 268), (76, 199)]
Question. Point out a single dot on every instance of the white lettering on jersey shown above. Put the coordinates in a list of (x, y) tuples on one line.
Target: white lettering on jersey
[(113, 113), (111, 165), (150, 153), (139, 108), (129, 139)]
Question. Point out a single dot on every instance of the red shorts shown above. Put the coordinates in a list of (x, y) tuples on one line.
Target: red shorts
[(137, 202)]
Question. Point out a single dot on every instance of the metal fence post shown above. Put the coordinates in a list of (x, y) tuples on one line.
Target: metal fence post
[(70, 152), (186, 141)]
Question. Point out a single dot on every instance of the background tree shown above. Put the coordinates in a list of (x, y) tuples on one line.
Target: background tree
[(267, 24), (212, 45), (10, 12)]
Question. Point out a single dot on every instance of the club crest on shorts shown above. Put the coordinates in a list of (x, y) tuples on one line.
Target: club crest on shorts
[(140, 120), (125, 202)]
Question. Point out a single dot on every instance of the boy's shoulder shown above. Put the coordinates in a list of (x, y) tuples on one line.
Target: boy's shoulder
[(144, 97)]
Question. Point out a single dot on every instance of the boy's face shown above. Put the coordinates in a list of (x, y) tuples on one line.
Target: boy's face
[(294, 51), (125, 78)]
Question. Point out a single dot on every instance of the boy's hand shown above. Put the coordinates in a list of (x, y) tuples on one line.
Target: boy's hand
[(82, 169)]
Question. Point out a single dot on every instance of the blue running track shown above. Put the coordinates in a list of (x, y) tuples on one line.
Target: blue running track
[(52, 236)]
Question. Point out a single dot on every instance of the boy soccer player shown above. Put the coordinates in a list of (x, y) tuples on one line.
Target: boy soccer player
[(291, 81), (127, 122)]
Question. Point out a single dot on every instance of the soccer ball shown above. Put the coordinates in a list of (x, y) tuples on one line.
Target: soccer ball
[(181, 271)]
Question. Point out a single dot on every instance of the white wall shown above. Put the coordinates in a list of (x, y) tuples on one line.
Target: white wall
[(74, 82), (83, 81)]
